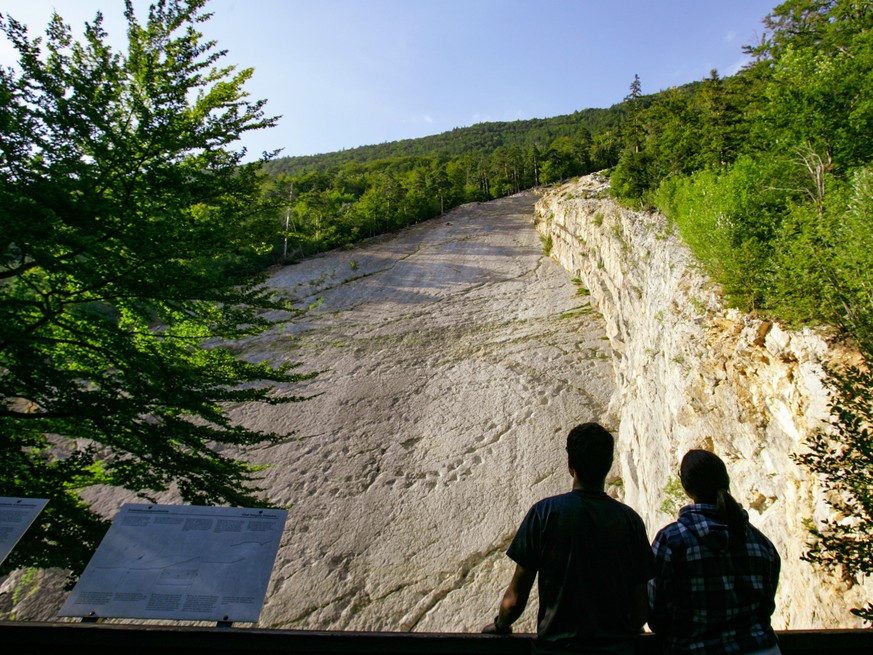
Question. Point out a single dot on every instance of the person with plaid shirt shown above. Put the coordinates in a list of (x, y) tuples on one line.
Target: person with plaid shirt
[(715, 574)]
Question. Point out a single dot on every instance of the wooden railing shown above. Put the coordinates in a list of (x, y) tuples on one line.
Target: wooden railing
[(22, 638)]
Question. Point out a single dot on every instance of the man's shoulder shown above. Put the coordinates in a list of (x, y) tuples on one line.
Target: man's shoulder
[(576, 497), (551, 502), (630, 513), (572, 497)]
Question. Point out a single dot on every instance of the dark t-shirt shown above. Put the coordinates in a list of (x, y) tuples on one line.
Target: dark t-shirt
[(589, 552)]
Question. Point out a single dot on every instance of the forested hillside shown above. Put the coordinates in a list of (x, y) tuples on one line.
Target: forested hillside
[(483, 138), (342, 197)]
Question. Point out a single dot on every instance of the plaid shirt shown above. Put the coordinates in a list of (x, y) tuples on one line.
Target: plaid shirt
[(712, 592)]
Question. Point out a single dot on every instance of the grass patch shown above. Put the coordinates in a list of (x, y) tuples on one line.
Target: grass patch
[(582, 310), (546, 240), (675, 497)]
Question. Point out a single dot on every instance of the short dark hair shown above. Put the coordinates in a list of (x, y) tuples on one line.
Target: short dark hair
[(589, 449)]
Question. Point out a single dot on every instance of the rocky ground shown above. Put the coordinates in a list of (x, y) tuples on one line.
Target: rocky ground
[(454, 356)]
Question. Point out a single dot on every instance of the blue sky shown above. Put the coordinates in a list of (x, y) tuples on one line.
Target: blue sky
[(346, 73)]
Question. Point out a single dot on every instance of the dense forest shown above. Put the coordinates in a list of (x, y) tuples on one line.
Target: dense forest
[(483, 138), (339, 198)]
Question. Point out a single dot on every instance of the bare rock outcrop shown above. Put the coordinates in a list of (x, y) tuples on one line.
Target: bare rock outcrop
[(691, 373)]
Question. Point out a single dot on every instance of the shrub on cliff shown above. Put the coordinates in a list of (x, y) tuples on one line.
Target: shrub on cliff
[(844, 460)]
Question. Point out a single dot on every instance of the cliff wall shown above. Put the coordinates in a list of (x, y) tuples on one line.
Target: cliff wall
[(690, 373)]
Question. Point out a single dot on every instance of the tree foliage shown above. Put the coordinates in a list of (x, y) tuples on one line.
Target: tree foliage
[(130, 229), (481, 139), (342, 197), (765, 171), (844, 460), (338, 205)]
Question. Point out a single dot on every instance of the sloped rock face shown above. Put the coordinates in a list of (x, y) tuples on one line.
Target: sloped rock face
[(690, 373), (455, 356)]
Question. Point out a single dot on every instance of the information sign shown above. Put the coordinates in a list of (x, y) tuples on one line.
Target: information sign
[(181, 562), (16, 516)]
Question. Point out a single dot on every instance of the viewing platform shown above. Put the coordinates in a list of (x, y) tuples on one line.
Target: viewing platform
[(118, 639)]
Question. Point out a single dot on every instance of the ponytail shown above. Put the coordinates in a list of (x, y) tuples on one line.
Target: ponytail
[(731, 513)]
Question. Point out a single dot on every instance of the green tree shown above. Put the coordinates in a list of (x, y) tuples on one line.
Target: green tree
[(843, 459), (729, 217), (806, 24), (418, 203), (673, 135), (566, 157), (507, 164), (129, 229), (722, 128), (632, 127), (633, 175), (438, 180), (604, 150)]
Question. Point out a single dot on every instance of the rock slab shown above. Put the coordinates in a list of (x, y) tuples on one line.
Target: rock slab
[(454, 356)]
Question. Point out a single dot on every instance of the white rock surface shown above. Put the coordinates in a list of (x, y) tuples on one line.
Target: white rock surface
[(690, 373), (456, 357)]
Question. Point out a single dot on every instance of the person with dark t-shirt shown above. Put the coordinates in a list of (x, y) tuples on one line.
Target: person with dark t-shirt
[(591, 556)]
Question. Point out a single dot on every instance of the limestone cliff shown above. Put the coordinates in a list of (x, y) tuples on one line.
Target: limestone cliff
[(691, 373)]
